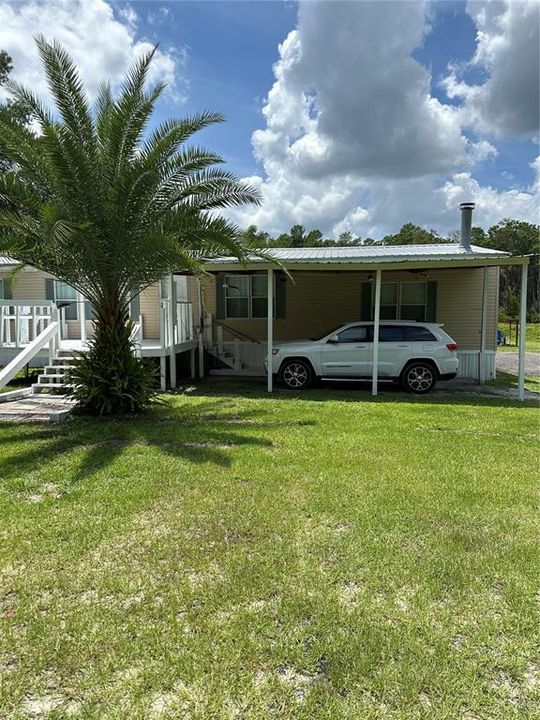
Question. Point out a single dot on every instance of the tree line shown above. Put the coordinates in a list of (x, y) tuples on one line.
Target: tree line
[(514, 236)]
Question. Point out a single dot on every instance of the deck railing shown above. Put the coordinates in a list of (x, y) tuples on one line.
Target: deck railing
[(21, 322), (177, 329)]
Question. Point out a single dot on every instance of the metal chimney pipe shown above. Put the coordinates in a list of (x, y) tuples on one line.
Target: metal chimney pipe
[(466, 224)]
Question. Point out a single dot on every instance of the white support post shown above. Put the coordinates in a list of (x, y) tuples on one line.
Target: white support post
[(375, 367), (483, 324), (163, 373), (82, 318), (522, 331), (171, 319), (220, 340), (270, 327), (201, 356), (192, 362), (236, 353)]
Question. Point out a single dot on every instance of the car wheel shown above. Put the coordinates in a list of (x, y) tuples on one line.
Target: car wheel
[(296, 374), (418, 378)]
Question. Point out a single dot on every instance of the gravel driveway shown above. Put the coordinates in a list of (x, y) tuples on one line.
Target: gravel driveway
[(508, 362)]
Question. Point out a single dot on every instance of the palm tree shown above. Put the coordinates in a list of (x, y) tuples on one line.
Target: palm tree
[(103, 204)]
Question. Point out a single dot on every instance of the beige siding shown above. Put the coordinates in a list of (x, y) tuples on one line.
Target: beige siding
[(149, 304), (319, 300), (29, 285)]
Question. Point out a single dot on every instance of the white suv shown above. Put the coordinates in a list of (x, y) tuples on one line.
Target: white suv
[(415, 353)]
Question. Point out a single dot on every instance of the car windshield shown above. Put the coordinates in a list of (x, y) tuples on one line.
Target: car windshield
[(333, 331)]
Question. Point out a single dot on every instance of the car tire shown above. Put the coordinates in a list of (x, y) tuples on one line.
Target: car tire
[(296, 374), (419, 378)]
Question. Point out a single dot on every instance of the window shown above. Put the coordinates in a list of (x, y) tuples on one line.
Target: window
[(413, 301), (389, 301), (65, 294), (402, 301), (390, 333), (413, 333), (359, 333), (246, 296)]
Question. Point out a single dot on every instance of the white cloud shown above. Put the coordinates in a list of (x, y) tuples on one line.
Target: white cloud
[(101, 43), (507, 103), (355, 141)]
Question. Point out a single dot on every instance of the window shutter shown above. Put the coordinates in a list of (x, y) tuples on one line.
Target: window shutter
[(49, 289), (8, 289), (366, 311), (431, 302), (281, 295), (220, 296)]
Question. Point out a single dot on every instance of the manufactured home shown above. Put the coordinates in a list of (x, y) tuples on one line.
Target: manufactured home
[(226, 322)]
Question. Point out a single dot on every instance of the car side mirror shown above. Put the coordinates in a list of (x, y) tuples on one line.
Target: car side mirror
[(334, 340)]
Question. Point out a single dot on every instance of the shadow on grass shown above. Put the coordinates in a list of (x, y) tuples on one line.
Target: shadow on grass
[(360, 391), (194, 433)]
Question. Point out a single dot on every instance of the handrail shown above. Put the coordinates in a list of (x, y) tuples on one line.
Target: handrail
[(29, 352), (237, 333)]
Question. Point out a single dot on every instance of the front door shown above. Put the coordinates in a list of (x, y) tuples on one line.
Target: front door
[(349, 355)]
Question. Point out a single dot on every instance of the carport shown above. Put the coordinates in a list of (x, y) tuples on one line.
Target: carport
[(474, 295)]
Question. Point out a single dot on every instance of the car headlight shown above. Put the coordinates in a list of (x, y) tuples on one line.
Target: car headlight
[(275, 351)]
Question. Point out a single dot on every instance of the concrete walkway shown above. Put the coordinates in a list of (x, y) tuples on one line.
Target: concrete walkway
[(35, 407), (508, 362)]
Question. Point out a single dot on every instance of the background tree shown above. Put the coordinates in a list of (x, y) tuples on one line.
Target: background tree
[(17, 110), (519, 238), (109, 208), (411, 234)]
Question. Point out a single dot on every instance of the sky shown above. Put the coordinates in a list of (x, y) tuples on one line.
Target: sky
[(347, 116)]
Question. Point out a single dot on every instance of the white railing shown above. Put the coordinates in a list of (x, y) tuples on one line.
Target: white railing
[(179, 328), (49, 336), (21, 322)]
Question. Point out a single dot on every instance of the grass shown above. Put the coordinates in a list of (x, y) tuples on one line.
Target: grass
[(318, 557), (510, 382), (532, 338)]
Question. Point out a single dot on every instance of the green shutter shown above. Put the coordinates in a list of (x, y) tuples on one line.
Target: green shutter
[(49, 289), (366, 306), (220, 296), (281, 295), (8, 289), (431, 302)]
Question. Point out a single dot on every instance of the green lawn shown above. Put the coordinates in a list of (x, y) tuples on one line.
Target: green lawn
[(238, 557), (532, 338)]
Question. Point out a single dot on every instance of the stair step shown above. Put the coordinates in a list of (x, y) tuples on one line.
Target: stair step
[(38, 387), (58, 367), (46, 376)]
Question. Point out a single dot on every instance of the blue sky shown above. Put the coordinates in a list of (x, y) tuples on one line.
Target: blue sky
[(353, 116)]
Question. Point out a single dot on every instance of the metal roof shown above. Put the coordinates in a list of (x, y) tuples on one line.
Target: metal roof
[(5, 260), (372, 254)]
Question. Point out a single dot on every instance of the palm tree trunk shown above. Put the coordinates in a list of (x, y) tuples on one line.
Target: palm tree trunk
[(109, 379)]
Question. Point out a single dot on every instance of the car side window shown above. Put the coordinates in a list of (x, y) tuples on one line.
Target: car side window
[(413, 333), (358, 333), (390, 333)]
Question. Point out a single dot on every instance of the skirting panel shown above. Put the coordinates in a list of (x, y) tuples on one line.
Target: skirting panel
[(469, 364)]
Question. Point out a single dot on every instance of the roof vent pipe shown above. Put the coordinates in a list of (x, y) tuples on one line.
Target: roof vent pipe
[(466, 224)]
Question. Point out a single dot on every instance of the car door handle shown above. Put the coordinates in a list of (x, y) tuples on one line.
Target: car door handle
[(361, 346), (403, 346)]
